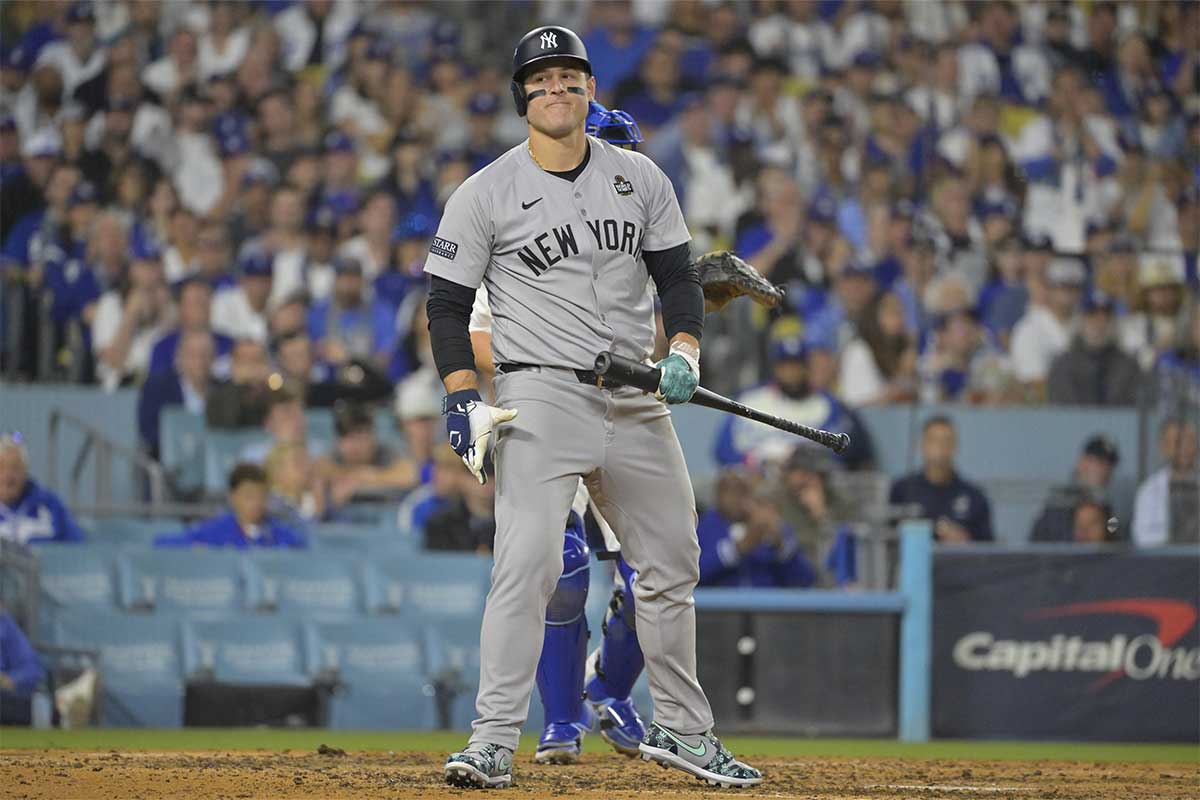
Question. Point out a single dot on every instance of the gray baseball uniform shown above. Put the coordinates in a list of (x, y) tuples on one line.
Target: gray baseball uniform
[(562, 264)]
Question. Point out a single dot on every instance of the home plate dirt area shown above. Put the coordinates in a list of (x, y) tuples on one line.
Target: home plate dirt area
[(332, 773)]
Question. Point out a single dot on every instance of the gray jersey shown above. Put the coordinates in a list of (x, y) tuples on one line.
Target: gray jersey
[(562, 261)]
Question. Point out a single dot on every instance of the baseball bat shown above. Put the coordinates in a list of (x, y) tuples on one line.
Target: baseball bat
[(645, 377)]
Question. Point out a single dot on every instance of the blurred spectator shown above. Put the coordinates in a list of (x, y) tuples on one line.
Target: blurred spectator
[(816, 512), (464, 518), (187, 385), (1091, 481), (28, 512), (444, 485), (788, 394), (313, 380), (360, 467), (1045, 330), (1177, 372), (839, 318), (1154, 328), (744, 540), (314, 33), (418, 411), (1090, 523), (1005, 297), (879, 366), (615, 44), (241, 401), (959, 510), (1094, 371), (176, 69), (21, 672), (240, 311), (247, 524), (225, 44), (351, 325), (193, 313), (284, 421), (1165, 511), (127, 323), (285, 242), (79, 56), (1000, 63), (296, 492), (962, 364)]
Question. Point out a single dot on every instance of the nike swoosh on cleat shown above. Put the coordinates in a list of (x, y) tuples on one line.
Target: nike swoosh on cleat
[(527, 206), (698, 752)]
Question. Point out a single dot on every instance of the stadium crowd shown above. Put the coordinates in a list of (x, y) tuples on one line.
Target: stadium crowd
[(227, 204)]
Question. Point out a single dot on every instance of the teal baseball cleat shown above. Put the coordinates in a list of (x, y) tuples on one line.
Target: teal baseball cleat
[(701, 755), (480, 766)]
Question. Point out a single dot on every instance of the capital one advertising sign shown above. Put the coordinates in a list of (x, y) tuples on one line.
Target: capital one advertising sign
[(1089, 646)]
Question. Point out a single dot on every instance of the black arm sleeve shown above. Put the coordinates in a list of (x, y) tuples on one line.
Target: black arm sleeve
[(449, 308), (678, 284)]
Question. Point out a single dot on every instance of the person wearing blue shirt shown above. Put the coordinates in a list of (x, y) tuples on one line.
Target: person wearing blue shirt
[(616, 46), (959, 510), (29, 513), (349, 325), (246, 525), (186, 384), (194, 312), (20, 673), (745, 542)]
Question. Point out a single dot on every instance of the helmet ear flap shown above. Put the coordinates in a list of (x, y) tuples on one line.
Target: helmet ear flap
[(518, 93)]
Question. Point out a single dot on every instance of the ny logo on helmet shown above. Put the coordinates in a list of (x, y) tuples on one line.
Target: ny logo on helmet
[(549, 39)]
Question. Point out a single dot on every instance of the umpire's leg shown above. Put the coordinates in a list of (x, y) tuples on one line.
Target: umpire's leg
[(540, 454), (644, 491)]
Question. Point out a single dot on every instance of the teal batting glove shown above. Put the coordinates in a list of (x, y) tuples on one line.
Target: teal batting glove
[(680, 375)]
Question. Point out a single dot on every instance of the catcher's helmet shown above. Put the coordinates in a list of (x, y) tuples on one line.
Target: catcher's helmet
[(614, 126), (549, 41)]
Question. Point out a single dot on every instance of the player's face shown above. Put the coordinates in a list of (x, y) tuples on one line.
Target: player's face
[(559, 111)]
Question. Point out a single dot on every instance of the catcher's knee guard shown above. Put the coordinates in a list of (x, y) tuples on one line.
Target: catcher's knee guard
[(564, 647)]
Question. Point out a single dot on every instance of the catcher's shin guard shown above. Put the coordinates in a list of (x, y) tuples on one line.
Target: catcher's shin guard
[(560, 670), (620, 660)]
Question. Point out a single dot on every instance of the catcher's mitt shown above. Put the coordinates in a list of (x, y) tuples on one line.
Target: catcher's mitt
[(724, 276)]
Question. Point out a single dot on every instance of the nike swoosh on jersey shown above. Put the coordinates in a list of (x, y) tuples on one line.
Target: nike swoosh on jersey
[(698, 752), (527, 206)]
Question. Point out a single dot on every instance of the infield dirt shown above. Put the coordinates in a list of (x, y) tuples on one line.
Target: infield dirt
[(35, 775)]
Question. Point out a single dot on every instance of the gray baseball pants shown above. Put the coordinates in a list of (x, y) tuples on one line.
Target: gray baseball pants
[(623, 444)]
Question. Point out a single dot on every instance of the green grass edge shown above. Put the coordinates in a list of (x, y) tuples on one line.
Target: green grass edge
[(223, 739)]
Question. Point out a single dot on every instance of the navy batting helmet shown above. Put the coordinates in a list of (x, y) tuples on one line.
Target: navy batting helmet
[(540, 44), (615, 126)]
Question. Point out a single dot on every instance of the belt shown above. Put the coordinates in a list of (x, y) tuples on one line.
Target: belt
[(585, 376)]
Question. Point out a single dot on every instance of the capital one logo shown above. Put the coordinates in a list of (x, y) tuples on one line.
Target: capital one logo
[(1149, 656), (549, 39)]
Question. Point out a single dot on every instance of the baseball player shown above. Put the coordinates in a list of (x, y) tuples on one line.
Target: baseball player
[(566, 231), (614, 667)]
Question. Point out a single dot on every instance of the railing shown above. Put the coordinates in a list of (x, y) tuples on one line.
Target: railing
[(104, 450)]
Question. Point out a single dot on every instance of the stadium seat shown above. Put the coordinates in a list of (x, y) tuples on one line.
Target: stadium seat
[(251, 650), (380, 670), (133, 531), (319, 426), (306, 585), (353, 539), (76, 576), (141, 664), (453, 645), (182, 438), (199, 583), (222, 450), (451, 585)]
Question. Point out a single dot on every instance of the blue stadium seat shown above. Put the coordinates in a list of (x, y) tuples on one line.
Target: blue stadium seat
[(222, 450), (141, 665), (199, 583), (352, 539), (380, 666), (307, 584), (445, 584), (135, 531), (76, 576), (251, 650), (453, 645), (182, 438)]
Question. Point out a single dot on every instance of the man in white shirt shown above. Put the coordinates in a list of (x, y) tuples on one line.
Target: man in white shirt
[(240, 311), (178, 68), (78, 58), (128, 323), (1165, 491), (1045, 330)]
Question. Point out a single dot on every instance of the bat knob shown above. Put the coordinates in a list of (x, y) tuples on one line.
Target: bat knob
[(840, 442), (603, 362)]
